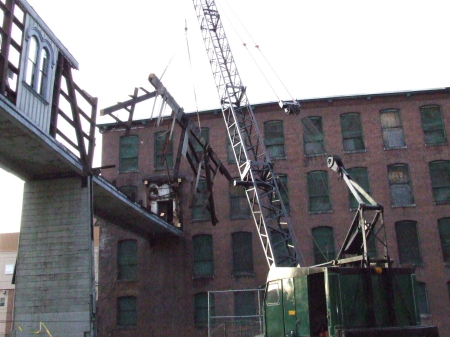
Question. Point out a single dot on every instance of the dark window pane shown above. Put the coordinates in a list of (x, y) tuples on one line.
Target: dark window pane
[(245, 304), (444, 234), (440, 181), (360, 175), (203, 255), (127, 260), (163, 150), (319, 199), (239, 206), (201, 308), (199, 211), (126, 311), (392, 129), (284, 191), (128, 154), (352, 132), (313, 139), (205, 134), (323, 244), (408, 242), (433, 125), (400, 183), (422, 298), (242, 253), (274, 139)]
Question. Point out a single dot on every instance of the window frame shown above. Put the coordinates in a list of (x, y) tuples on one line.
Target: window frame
[(421, 290), (127, 263), (391, 129), (310, 184), (200, 307), (135, 157), (120, 311), (199, 201), (394, 187), (357, 134), (426, 128), (283, 187), (199, 247), (365, 184), (407, 249), (316, 136), (317, 251), (444, 237), (275, 142), (435, 185), (242, 254), (159, 152), (239, 206)]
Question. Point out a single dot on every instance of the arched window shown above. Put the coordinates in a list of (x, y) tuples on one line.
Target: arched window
[(30, 78), (43, 71)]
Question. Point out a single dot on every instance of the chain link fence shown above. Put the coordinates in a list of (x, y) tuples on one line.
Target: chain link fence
[(235, 313)]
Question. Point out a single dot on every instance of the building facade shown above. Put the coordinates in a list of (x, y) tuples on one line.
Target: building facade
[(395, 145)]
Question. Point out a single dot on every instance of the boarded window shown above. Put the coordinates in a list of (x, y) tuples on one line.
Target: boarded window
[(127, 260), (433, 125), (199, 211), (440, 181), (444, 234), (392, 129), (319, 197), (128, 154), (242, 254), (203, 255), (163, 151), (422, 298), (284, 190), (274, 139), (129, 191), (239, 206), (352, 136), (313, 139), (201, 308), (126, 311), (408, 242), (245, 304), (360, 175), (323, 244), (400, 183)]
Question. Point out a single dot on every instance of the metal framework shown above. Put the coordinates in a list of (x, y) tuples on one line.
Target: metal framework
[(255, 168)]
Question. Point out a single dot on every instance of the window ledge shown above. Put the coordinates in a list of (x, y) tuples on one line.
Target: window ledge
[(241, 218), (278, 158), (133, 327), (355, 151), (244, 274), (443, 202), (425, 315), (127, 281), (320, 212), (436, 144), (404, 206), (29, 87), (395, 148), (203, 277), (315, 155), (136, 171), (201, 220)]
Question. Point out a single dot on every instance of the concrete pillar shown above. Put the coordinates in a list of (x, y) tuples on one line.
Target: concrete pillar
[(55, 267)]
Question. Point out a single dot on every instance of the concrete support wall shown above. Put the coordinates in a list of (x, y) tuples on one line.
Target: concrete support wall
[(55, 274)]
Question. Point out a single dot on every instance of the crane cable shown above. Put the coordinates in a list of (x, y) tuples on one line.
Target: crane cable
[(190, 65)]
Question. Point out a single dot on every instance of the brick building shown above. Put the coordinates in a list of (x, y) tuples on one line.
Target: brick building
[(393, 144)]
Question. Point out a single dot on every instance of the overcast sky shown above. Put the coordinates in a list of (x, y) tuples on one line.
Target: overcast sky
[(316, 48)]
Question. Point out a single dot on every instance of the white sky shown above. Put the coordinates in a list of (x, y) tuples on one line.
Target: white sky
[(317, 49)]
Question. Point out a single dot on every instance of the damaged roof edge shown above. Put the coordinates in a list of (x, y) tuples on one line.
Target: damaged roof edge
[(30, 10)]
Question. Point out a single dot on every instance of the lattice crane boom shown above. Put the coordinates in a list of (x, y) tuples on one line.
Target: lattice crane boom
[(254, 165)]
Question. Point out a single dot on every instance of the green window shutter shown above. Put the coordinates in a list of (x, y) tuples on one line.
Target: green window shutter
[(242, 254), (392, 129), (199, 212), (323, 244), (360, 175), (201, 308), (126, 311), (433, 125), (352, 132), (319, 199), (400, 184), (422, 298), (284, 190), (127, 260), (274, 139), (408, 242), (444, 234), (239, 206), (203, 255), (163, 149), (128, 154), (313, 139), (440, 181)]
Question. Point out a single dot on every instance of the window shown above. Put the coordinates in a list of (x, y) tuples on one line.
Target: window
[(9, 269), (440, 181), (422, 298), (129, 191), (128, 154), (201, 308), (163, 151), (319, 198), (323, 244), (433, 125), (126, 311), (273, 293), (313, 140), (203, 255), (242, 254), (239, 206), (230, 153), (284, 190), (245, 304), (2, 301), (127, 260), (444, 234), (400, 183), (38, 63), (352, 136), (205, 134), (408, 242), (358, 174), (199, 211), (274, 139), (392, 129)]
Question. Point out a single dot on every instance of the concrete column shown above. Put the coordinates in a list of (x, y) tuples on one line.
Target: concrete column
[(55, 267)]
